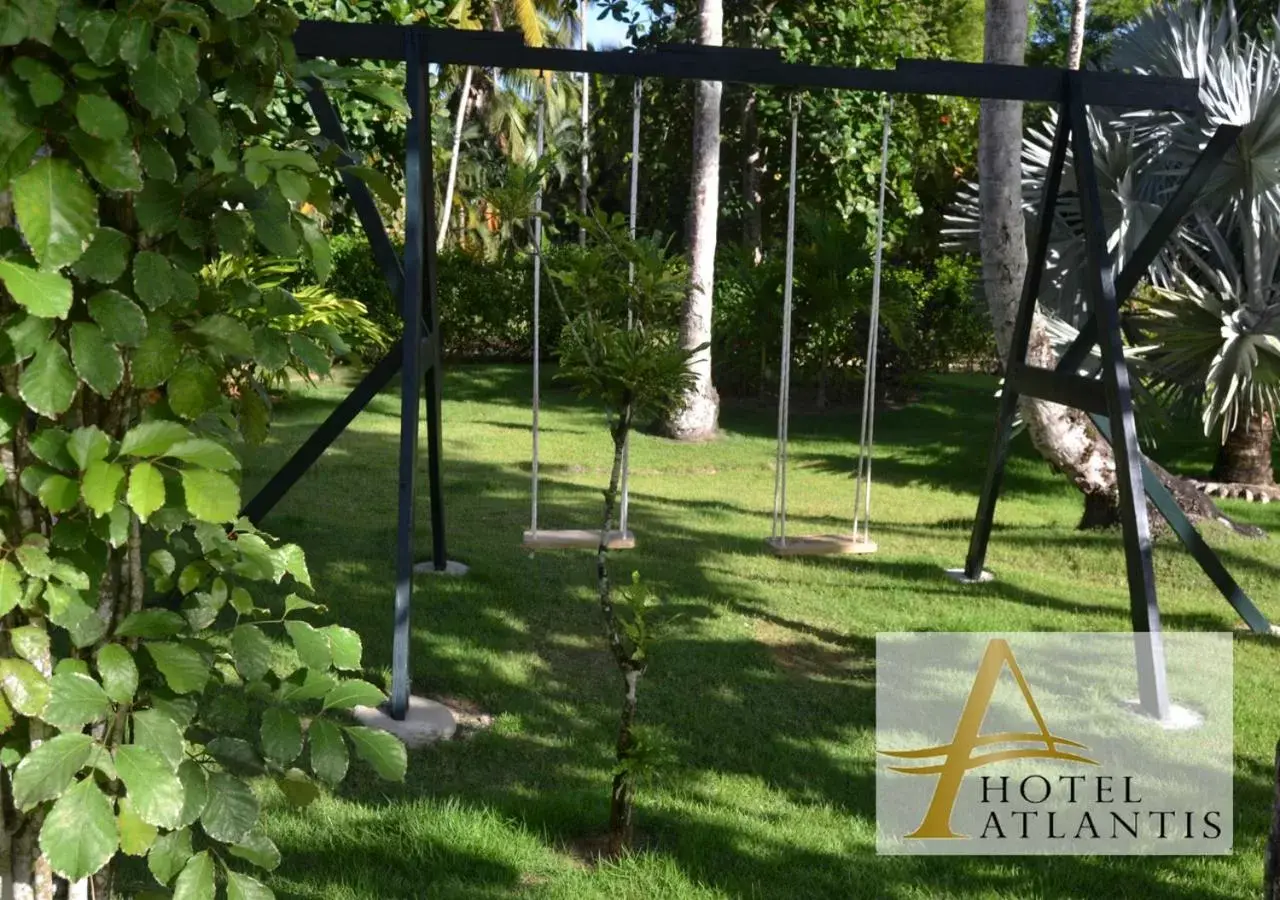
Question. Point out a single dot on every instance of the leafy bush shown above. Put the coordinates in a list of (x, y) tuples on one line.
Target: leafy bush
[(486, 305), (138, 616)]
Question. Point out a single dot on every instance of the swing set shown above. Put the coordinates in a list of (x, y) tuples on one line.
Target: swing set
[(1106, 395)]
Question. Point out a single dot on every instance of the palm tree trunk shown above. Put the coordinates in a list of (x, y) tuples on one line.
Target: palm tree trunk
[(1245, 456), (697, 418), (1063, 436), (459, 120), (1075, 41)]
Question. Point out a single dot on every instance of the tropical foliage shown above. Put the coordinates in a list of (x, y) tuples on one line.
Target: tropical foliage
[(620, 297), (158, 652)]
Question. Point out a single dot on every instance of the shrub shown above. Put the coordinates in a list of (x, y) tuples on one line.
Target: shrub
[(486, 305)]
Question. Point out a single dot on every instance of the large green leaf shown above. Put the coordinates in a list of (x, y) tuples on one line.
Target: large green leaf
[(273, 223), (258, 849), (106, 257), (44, 85), (307, 684), (146, 490), (44, 294), (204, 453), (153, 438), (153, 786), (156, 356), (211, 496), (152, 624), (381, 750), (113, 164), (118, 671), (25, 688), (101, 117), (48, 383), (281, 734), (79, 835), (196, 879), (194, 388), (87, 445), (242, 887), (184, 668), (195, 787), (97, 360), (226, 334), (67, 609), (120, 319), (353, 692), (57, 211), (158, 206), (152, 278), (251, 650), (232, 810), (18, 142), (329, 758), (10, 586), (311, 643), (75, 701), (58, 493), (100, 486), (345, 645), (297, 788), (169, 854), (48, 770), (156, 731), (136, 836), (234, 9)]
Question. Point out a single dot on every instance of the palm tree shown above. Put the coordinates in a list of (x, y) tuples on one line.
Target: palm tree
[(1216, 316), (541, 22), (698, 416)]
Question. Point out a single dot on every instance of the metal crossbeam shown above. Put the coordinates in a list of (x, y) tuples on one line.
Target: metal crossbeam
[(341, 40)]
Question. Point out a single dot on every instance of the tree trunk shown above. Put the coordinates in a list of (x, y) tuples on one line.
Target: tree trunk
[(1075, 40), (1245, 456), (697, 418), (752, 172), (1064, 437), (459, 120)]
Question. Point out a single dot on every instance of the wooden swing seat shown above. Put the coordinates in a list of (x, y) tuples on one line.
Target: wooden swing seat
[(821, 545), (576, 539)]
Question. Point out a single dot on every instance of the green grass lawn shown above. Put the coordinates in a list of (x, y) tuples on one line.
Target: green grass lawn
[(763, 687)]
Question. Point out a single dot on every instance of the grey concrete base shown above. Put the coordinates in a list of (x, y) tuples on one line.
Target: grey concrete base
[(452, 568), (425, 722), (1179, 718), (958, 575)]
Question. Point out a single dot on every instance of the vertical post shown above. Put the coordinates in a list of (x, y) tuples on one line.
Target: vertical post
[(636, 98), (416, 277), (433, 379), (981, 534), (1100, 288), (584, 7)]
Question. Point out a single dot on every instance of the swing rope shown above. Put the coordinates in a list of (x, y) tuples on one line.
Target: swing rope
[(636, 99), (866, 438), (537, 304), (784, 387)]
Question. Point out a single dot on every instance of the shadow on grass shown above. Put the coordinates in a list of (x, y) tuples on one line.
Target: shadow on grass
[(783, 708)]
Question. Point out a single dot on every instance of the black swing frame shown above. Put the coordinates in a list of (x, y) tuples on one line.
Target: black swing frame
[(1108, 399)]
